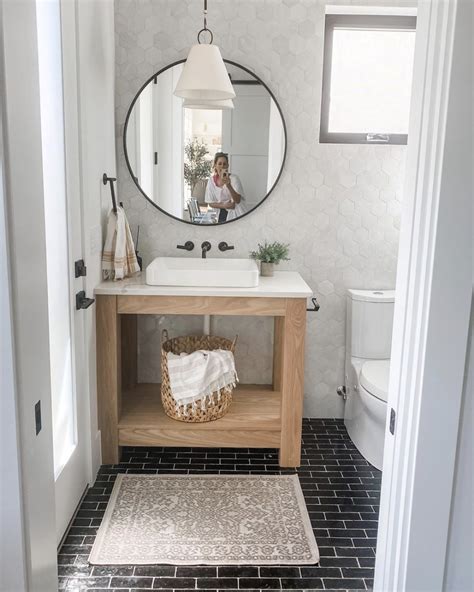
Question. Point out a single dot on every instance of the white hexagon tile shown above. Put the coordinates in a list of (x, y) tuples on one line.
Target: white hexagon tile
[(337, 205)]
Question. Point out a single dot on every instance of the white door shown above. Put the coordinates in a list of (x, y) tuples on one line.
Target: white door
[(61, 166), (245, 139)]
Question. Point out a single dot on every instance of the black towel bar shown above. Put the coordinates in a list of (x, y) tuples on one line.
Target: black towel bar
[(316, 306), (106, 179)]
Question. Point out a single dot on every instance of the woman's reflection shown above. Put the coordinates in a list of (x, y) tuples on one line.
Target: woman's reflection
[(224, 191)]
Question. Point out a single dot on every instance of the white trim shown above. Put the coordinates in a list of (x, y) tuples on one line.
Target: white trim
[(13, 561), (428, 353), (29, 295), (72, 144), (95, 75), (93, 444), (372, 10), (74, 476)]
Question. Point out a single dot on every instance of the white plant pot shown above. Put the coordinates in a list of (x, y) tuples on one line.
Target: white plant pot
[(266, 269)]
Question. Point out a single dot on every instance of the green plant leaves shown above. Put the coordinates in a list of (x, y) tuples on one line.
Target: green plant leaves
[(271, 252), (197, 168)]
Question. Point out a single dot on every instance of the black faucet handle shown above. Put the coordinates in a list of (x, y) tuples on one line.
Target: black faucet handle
[(223, 246), (188, 246), (205, 247)]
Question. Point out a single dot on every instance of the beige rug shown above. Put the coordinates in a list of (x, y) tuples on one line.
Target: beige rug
[(205, 519)]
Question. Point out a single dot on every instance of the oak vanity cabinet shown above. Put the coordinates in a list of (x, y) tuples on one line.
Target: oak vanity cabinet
[(261, 416)]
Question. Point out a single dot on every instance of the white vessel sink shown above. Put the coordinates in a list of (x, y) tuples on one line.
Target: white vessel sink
[(215, 273)]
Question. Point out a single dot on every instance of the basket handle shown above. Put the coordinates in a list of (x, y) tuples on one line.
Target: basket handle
[(232, 347), (164, 335)]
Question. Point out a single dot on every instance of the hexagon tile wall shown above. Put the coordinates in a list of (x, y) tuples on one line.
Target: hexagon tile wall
[(337, 205)]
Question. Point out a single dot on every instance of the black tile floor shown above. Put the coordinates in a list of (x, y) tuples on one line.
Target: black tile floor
[(341, 490)]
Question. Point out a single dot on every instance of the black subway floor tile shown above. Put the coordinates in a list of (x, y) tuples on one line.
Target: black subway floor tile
[(341, 489), (237, 571)]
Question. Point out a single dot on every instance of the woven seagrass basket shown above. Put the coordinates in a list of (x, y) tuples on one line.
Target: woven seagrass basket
[(189, 344)]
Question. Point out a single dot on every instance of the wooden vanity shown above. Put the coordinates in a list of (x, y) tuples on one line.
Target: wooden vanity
[(261, 416)]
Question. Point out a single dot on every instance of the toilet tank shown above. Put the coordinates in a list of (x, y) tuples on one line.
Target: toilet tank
[(369, 323)]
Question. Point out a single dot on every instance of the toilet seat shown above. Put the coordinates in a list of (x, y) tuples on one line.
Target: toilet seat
[(374, 377)]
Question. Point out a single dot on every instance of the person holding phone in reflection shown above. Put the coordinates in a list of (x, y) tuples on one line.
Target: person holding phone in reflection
[(224, 191)]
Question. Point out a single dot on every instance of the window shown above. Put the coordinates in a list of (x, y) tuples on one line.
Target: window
[(60, 314), (368, 66)]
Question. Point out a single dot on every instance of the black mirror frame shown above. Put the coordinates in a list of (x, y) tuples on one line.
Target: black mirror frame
[(156, 205)]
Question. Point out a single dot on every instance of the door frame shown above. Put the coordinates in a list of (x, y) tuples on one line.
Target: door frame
[(432, 309), (75, 476), (12, 534), (405, 480), (29, 347)]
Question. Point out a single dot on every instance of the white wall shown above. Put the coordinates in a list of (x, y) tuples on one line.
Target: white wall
[(96, 82), (337, 206), (12, 545), (459, 575), (432, 314), (446, 341), (27, 261)]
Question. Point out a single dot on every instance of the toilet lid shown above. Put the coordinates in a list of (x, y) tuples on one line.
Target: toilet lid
[(374, 378)]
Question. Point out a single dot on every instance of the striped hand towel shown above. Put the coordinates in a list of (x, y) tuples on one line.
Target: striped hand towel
[(198, 375), (118, 257)]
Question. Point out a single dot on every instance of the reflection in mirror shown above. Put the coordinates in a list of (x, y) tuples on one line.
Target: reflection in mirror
[(205, 165)]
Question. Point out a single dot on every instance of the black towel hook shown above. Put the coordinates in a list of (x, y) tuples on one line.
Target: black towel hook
[(105, 180), (316, 305)]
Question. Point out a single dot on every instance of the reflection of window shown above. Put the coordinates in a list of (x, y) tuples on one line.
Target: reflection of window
[(368, 65)]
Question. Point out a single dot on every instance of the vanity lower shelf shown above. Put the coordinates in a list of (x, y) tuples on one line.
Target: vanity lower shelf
[(253, 421)]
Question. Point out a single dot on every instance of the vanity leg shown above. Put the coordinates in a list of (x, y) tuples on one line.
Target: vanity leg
[(278, 327), (129, 350), (292, 381), (108, 375)]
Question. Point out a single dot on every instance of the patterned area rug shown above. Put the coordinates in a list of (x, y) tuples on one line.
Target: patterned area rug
[(205, 519)]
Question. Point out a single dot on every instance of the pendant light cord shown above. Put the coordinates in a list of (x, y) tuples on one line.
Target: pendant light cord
[(205, 29)]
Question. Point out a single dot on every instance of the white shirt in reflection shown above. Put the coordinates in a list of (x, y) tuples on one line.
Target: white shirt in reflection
[(214, 193)]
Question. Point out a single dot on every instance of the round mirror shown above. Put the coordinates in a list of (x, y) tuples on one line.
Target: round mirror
[(205, 163)]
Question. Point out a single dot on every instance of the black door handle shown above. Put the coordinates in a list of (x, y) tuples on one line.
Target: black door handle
[(83, 302)]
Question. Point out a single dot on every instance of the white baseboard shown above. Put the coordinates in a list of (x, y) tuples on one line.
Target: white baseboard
[(96, 457)]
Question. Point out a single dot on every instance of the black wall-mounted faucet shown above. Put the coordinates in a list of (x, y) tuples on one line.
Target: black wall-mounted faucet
[(223, 246), (205, 247), (188, 246)]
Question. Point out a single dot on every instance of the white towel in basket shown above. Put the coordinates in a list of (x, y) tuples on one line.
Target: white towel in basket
[(197, 376)]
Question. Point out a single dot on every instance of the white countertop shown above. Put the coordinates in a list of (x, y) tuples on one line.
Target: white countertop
[(284, 284)]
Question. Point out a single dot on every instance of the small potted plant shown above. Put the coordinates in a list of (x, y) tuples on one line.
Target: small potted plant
[(270, 254)]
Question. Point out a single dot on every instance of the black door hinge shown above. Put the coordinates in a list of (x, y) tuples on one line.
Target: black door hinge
[(83, 302), (393, 416), (38, 417), (80, 268)]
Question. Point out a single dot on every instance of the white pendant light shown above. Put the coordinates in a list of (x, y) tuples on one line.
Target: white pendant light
[(213, 105), (204, 75)]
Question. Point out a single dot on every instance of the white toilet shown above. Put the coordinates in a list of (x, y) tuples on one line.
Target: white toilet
[(368, 343)]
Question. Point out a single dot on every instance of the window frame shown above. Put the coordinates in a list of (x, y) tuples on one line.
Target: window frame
[(355, 21)]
